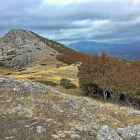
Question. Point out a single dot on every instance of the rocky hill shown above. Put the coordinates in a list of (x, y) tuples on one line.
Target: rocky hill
[(20, 48)]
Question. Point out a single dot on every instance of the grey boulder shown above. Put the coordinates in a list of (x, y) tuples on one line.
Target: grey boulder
[(106, 133)]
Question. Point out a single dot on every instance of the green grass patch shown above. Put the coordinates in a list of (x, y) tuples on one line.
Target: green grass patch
[(9, 59), (48, 83), (66, 83), (8, 73), (23, 73), (51, 54), (11, 53), (21, 69), (38, 48), (43, 64), (29, 50), (59, 65)]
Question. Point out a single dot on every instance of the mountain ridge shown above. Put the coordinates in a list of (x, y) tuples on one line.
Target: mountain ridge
[(127, 51)]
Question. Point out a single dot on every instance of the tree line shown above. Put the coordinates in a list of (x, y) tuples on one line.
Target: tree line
[(106, 77)]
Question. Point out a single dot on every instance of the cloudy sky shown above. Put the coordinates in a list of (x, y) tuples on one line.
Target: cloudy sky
[(67, 21)]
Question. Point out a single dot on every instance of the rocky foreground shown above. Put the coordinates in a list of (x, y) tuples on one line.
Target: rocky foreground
[(34, 111)]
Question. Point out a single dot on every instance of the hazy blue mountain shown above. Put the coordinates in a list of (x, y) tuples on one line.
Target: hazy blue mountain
[(128, 51)]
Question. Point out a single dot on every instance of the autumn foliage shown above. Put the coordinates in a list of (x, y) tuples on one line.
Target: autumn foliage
[(99, 74), (2, 64), (72, 57)]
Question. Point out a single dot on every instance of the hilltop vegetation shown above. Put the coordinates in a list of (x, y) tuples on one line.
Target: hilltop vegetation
[(109, 78)]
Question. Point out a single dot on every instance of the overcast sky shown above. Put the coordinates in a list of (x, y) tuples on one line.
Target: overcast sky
[(67, 21)]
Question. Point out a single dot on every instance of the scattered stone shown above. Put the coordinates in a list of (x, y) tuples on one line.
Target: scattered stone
[(130, 133), (40, 129), (80, 117), (106, 133)]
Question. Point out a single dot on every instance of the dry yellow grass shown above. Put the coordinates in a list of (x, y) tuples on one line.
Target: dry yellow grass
[(50, 72), (113, 116), (5, 71)]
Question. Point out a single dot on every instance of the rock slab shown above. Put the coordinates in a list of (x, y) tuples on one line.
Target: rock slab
[(106, 133)]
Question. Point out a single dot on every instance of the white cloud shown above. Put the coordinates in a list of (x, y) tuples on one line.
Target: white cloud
[(66, 2), (136, 1), (63, 2)]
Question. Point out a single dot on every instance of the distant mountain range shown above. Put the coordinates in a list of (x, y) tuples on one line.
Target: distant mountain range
[(128, 51)]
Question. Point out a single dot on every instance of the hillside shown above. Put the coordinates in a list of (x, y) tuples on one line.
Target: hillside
[(33, 111), (35, 105), (126, 51), (20, 48)]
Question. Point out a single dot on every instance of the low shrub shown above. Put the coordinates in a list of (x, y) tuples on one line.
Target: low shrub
[(89, 87), (67, 83), (8, 73), (48, 83), (59, 65), (43, 64)]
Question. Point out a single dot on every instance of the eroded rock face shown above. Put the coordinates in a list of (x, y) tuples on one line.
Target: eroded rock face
[(130, 133), (106, 133), (20, 48)]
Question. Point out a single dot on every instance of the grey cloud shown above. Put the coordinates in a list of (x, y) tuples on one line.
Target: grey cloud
[(61, 23)]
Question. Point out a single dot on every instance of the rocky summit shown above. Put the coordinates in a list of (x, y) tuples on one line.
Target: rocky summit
[(21, 48)]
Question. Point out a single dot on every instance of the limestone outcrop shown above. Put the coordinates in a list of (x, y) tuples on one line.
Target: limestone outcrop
[(127, 133), (106, 133), (20, 48)]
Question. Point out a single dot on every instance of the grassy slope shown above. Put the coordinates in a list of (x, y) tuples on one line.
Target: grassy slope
[(113, 116), (6, 71), (49, 72), (108, 114)]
